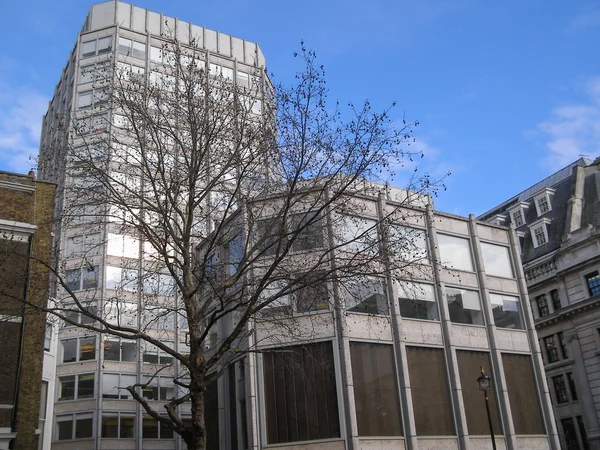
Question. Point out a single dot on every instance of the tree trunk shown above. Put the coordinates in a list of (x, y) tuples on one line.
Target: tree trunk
[(196, 436)]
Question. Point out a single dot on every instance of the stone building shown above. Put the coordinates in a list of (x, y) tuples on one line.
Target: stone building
[(557, 222), (390, 358), (26, 212)]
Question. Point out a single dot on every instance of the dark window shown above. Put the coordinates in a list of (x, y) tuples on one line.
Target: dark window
[(312, 295), (568, 426), (522, 394), (542, 304), (593, 283), (430, 391), (307, 230), (560, 389), (375, 390), (300, 394), (582, 433), (469, 367), (551, 348), (563, 345), (270, 236), (555, 296), (572, 386)]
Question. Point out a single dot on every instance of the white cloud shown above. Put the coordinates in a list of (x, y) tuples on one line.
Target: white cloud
[(21, 111), (573, 130)]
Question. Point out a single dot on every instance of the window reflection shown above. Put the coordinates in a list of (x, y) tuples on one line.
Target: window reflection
[(496, 260), (455, 252)]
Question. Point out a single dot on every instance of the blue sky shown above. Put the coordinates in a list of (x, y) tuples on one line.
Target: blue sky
[(505, 92)]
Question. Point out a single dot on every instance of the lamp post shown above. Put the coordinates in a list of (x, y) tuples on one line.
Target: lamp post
[(485, 384)]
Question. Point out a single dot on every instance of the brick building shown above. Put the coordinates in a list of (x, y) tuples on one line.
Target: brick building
[(25, 237)]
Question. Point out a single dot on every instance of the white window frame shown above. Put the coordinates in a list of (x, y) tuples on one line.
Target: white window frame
[(119, 388), (78, 350), (120, 342), (545, 194), (76, 395), (97, 49), (520, 207), (73, 419), (539, 224)]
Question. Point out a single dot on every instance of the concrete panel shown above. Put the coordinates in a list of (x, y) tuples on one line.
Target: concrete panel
[(438, 444), (159, 444), (118, 444), (167, 26), (330, 445), (496, 235), (197, 36), (532, 443), (153, 23), (78, 445), (138, 22), (381, 444), (365, 326), (103, 15), (469, 336), (238, 48), (210, 40), (261, 58), (295, 330), (74, 406), (509, 285), (432, 333), (119, 405), (250, 53), (458, 278), (224, 44), (486, 444), (183, 31), (124, 15), (452, 225)]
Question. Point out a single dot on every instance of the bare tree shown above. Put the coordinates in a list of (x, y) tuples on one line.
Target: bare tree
[(192, 201)]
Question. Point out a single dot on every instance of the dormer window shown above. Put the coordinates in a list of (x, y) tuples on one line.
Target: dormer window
[(517, 213), (543, 202), (498, 219), (539, 232)]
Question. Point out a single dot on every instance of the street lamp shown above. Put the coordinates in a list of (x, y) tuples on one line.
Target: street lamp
[(485, 384)]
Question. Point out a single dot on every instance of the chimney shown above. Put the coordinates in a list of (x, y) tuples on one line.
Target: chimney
[(31, 174), (575, 205)]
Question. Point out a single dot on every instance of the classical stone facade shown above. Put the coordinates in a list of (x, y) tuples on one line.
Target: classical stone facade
[(26, 211), (558, 224)]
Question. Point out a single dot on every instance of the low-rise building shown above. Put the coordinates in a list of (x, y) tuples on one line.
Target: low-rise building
[(557, 222)]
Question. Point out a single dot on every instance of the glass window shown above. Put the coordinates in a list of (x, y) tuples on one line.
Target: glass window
[(312, 295), (300, 394), (74, 426), (542, 304), (48, 337), (563, 345), (69, 350), (506, 310), (543, 205), (73, 279), (159, 388), (124, 45), (539, 235), (87, 348), (555, 296), (464, 306), (118, 425), (66, 388), (455, 252), (120, 350), (104, 45), (496, 260), (560, 389), (570, 434), (114, 385), (408, 244), (572, 387), (88, 48), (593, 283), (121, 313), (307, 231), (582, 433), (551, 348), (365, 294), (358, 235), (517, 217), (84, 100), (417, 301), (376, 394), (138, 50)]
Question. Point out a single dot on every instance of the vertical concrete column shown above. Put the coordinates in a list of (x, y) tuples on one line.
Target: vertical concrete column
[(341, 337), (460, 419), (252, 380), (408, 416), (538, 363), (499, 381), (585, 393)]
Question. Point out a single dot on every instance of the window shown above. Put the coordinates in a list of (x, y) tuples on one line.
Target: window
[(517, 218), (506, 310), (120, 350), (563, 345), (83, 278), (94, 72), (307, 231), (358, 235), (300, 393), (542, 201), (86, 245), (309, 293), (469, 363), (570, 434), (376, 394), (158, 284), (121, 245), (75, 387), (312, 295), (539, 232), (78, 349), (48, 337), (551, 348), (153, 355), (271, 236), (92, 98), (430, 391), (522, 394), (408, 244), (582, 433), (464, 306), (365, 294), (121, 313), (243, 79), (219, 71), (572, 387), (118, 278), (496, 260), (130, 72), (417, 301), (455, 252), (158, 318), (593, 283), (74, 426), (555, 297), (96, 47), (91, 125), (542, 304), (118, 425), (78, 316), (560, 389), (153, 429), (114, 385), (132, 48), (159, 388)]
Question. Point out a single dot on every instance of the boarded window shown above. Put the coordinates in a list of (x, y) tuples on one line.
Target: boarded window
[(469, 367), (430, 391), (375, 390), (300, 394), (522, 394)]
